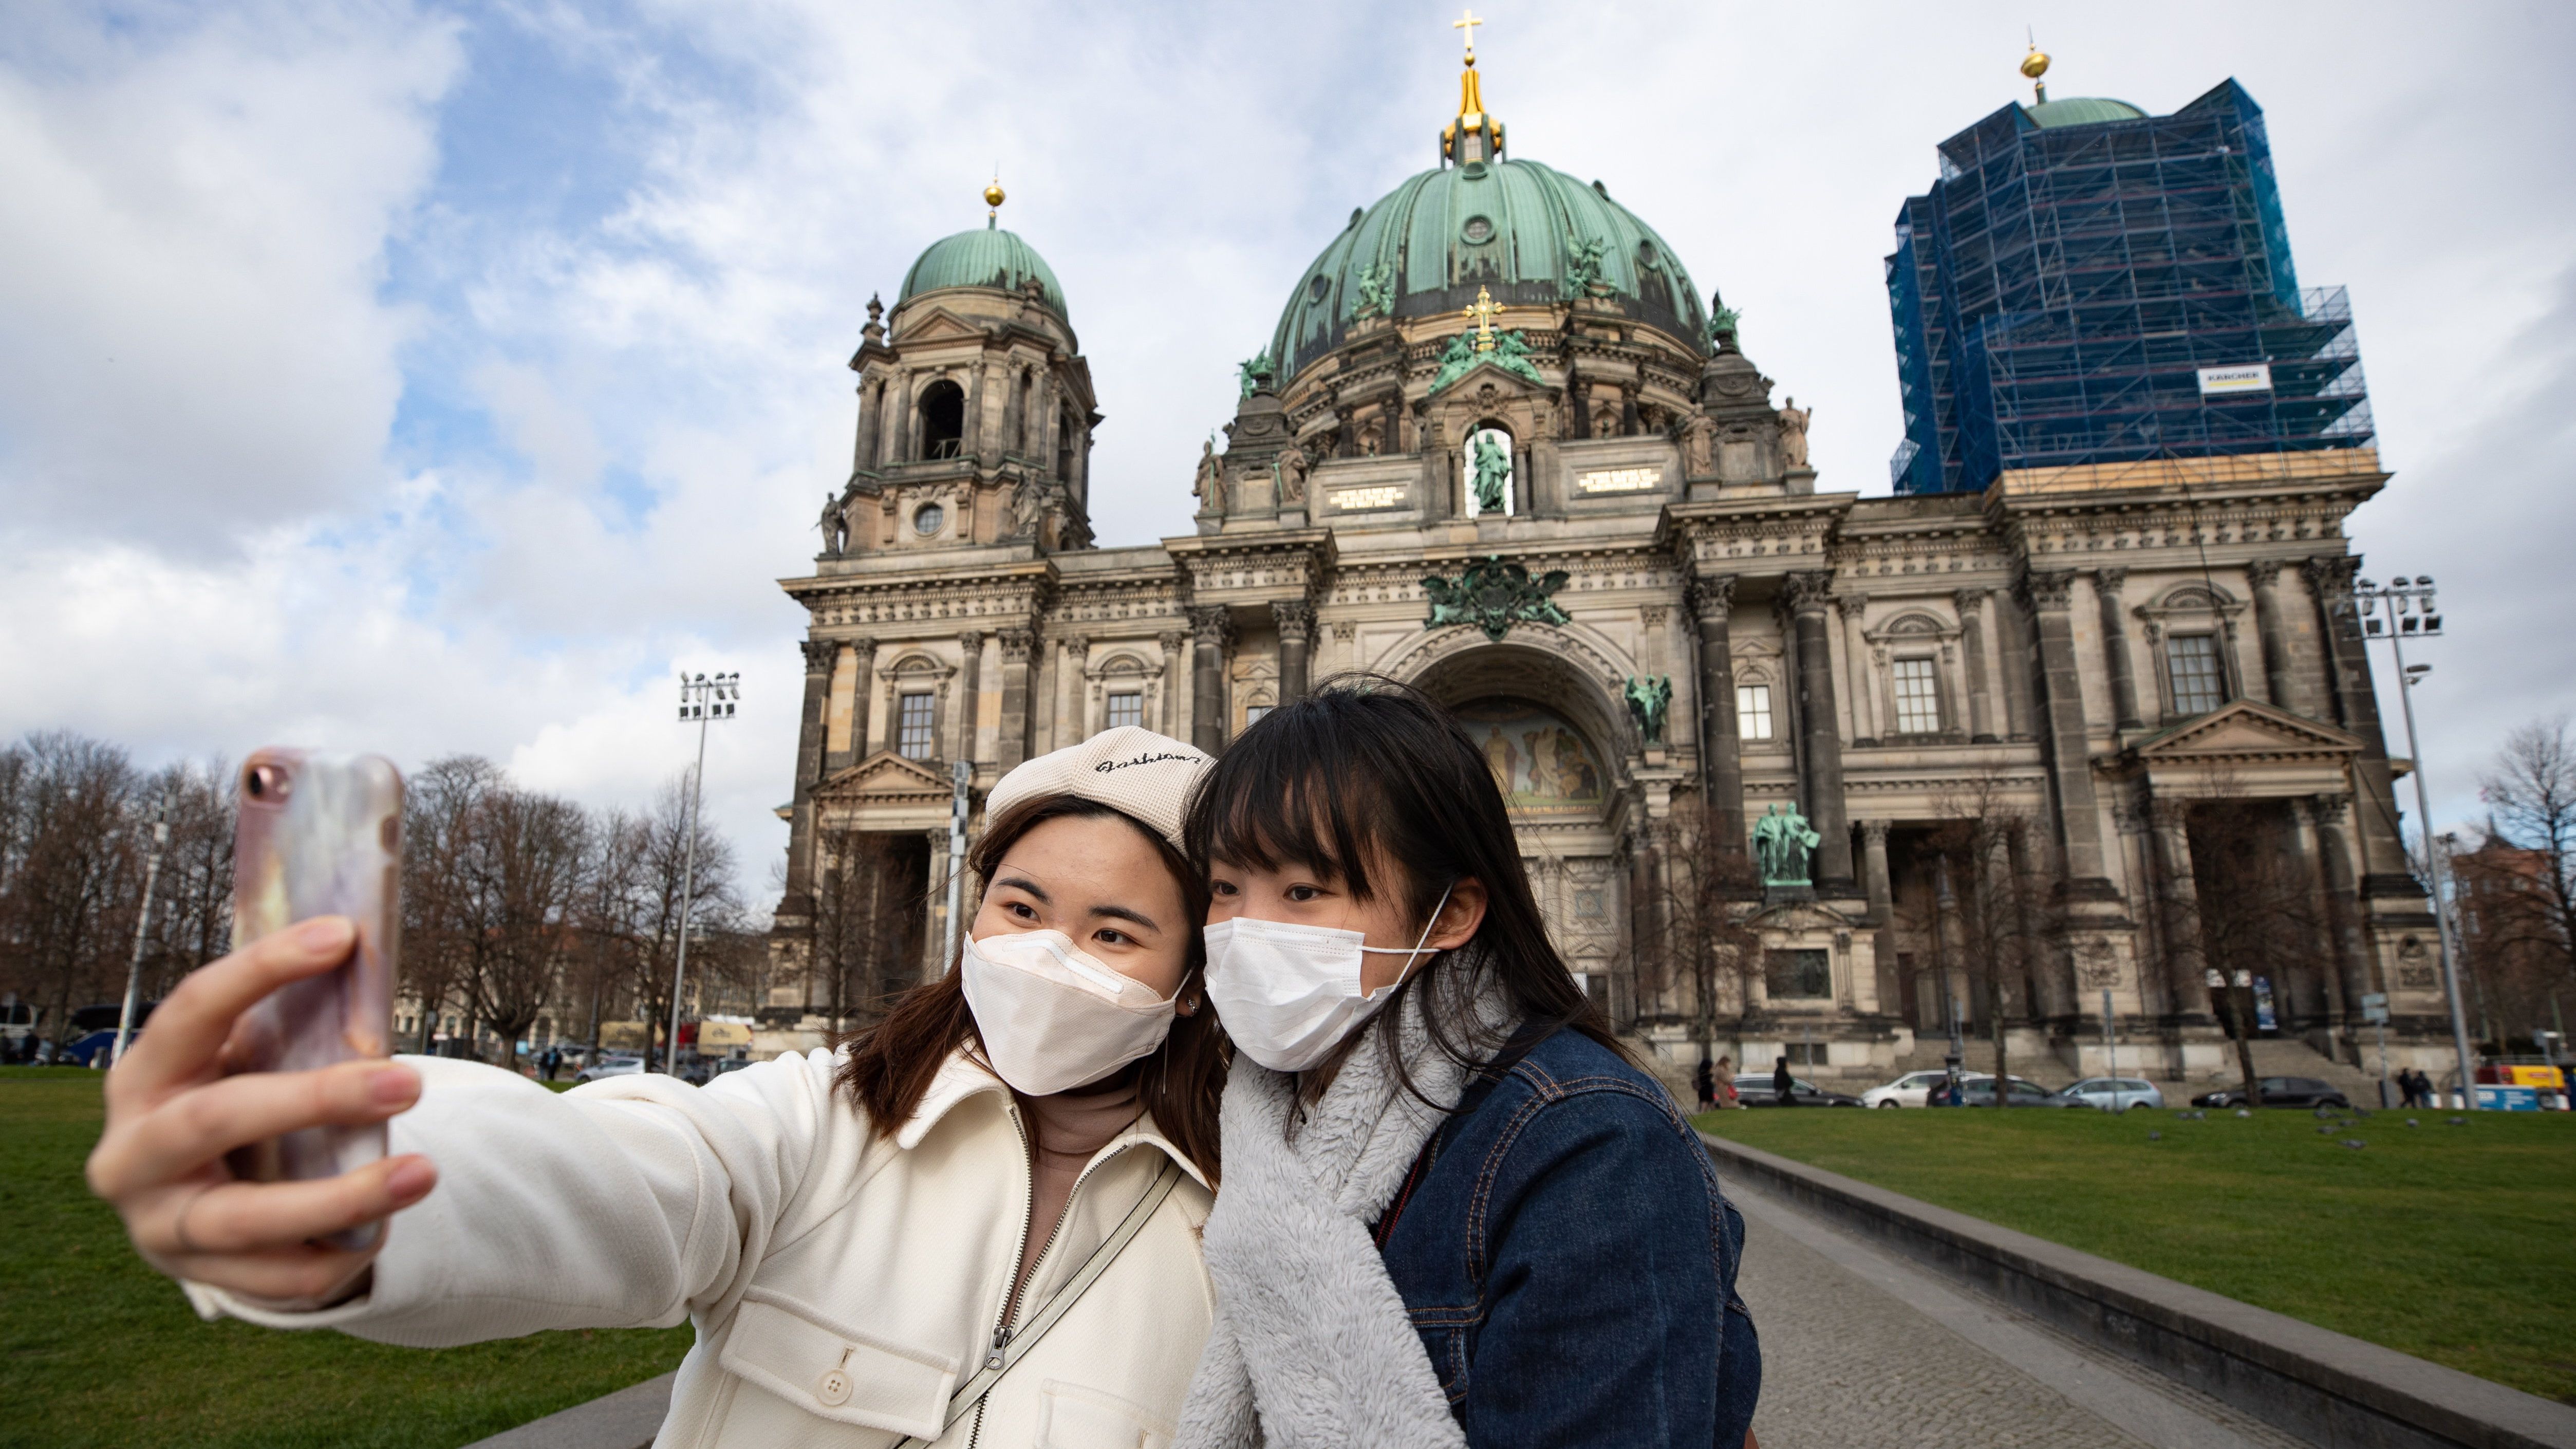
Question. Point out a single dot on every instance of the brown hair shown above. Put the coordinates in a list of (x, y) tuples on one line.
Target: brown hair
[(890, 1066)]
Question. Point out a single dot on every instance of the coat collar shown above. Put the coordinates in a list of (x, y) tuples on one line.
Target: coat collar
[(961, 1079)]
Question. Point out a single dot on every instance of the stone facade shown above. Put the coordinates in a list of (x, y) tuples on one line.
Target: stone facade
[(2126, 664)]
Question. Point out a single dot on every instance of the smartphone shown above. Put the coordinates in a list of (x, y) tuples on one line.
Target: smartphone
[(318, 835)]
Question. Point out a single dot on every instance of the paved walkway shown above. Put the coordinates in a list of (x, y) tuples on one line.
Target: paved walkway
[(1864, 1350)]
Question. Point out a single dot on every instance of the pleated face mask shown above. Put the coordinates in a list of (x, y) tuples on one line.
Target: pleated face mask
[(1288, 993), (1053, 1018)]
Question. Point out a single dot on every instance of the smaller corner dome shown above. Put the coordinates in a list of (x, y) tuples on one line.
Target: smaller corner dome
[(2081, 111), (986, 257)]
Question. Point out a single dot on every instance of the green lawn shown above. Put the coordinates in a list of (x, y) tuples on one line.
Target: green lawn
[(97, 1349), (2453, 1243)]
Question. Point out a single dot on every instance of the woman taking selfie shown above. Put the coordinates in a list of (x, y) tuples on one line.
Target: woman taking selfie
[(979, 1222), (1454, 1212)]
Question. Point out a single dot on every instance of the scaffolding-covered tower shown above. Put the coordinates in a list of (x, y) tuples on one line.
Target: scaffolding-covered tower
[(2087, 284)]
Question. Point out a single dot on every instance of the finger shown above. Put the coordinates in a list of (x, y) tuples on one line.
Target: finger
[(190, 1025), (235, 1218), (186, 1131), (303, 1277)]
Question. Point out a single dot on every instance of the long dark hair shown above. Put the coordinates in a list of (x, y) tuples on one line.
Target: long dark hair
[(1367, 771), (890, 1066)]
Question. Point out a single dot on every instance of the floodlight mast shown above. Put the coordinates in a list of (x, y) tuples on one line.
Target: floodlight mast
[(704, 699), (2404, 607)]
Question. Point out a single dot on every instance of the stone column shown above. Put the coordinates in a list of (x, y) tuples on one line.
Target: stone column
[(2066, 737), (2278, 688), (1014, 414), (1972, 643), (1296, 619), (1171, 640), (819, 657), (863, 691), (1645, 890), (2343, 903), (970, 692), (2115, 648), (971, 444), (1072, 692), (1721, 749), (1809, 594), (1210, 632), (2383, 862), (1013, 746), (2186, 960), (1868, 727), (863, 455), (935, 909), (1882, 908), (903, 419), (2012, 639), (2322, 999)]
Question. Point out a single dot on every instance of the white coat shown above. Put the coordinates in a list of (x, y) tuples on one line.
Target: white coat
[(843, 1285)]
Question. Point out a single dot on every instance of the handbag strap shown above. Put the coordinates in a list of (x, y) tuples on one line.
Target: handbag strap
[(1010, 1345)]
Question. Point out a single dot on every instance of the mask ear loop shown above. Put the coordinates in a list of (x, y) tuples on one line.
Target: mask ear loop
[(1418, 941)]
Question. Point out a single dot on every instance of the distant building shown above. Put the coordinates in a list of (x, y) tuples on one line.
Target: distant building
[(2087, 284)]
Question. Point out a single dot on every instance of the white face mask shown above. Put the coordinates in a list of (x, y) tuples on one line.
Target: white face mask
[(1288, 993), (1053, 1018)]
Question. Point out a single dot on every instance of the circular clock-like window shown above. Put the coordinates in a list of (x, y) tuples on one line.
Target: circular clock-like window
[(927, 519), (1318, 287), (1478, 230)]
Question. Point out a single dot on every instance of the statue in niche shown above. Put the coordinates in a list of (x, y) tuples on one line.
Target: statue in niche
[(1208, 484), (1493, 475), (1793, 433), (1377, 292), (836, 526), (1583, 268), (1372, 438), (1289, 468), (1650, 697), (1699, 445), (1784, 845), (1029, 507)]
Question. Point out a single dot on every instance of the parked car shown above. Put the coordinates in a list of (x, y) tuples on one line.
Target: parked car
[(1907, 1090), (610, 1066), (91, 1050), (2017, 1093), (2116, 1094), (1802, 1093), (2278, 1092)]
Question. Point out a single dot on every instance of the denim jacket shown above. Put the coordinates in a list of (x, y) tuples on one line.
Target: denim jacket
[(1570, 1263)]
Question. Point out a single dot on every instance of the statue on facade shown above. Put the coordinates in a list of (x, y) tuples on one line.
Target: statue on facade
[(1029, 507), (1493, 464), (1784, 845), (1208, 484), (1721, 322), (1699, 445), (1289, 469), (1793, 433), (1256, 373), (1583, 268), (1377, 292), (1650, 697), (836, 526)]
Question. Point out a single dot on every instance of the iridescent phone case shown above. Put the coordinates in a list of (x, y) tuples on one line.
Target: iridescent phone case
[(318, 835)]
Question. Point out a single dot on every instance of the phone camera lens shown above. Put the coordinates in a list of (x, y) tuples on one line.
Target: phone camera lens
[(265, 783)]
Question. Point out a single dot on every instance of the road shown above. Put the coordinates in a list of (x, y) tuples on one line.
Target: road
[(1865, 1350)]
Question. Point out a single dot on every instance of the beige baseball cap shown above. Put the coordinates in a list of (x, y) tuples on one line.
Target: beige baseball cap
[(1134, 771)]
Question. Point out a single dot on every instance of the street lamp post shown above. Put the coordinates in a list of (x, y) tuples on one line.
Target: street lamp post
[(2400, 610), (142, 926), (704, 699)]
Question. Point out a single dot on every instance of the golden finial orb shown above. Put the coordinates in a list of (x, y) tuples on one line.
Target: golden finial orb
[(993, 194), (2035, 64)]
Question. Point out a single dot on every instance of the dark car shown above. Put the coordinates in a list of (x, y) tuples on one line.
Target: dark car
[(2020, 1094), (2278, 1092), (1802, 1093)]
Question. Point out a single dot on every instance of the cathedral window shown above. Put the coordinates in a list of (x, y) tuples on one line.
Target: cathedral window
[(1753, 711), (1253, 714), (1918, 698), (926, 520), (1126, 709), (943, 420), (2199, 683), (913, 726)]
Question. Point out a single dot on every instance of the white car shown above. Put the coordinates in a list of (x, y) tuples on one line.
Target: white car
[(2117, 1094), (611, 1067), (1908, 1090)]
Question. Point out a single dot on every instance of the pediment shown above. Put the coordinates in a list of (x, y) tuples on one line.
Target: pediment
[(1506, 383), (2246, 731), (938, 325), (885, 775)]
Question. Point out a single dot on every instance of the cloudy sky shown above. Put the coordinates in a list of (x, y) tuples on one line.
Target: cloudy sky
[(435, 377)]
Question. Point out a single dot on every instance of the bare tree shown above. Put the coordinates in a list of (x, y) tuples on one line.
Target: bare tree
[(192, 911), (442, 924), (662, 864), (2530, 794), (1693, 928), (525, 863), (861, 910), (2258, 911), (73, 874), (1996, 922)]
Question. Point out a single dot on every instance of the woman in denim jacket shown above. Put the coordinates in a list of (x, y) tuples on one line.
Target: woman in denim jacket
[(1455, 1212)]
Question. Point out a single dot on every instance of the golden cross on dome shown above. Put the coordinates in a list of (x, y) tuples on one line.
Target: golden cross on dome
[(1484, 311), (1468, 23)]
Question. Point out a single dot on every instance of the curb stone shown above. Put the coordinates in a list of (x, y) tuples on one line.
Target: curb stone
[(626, 1419)]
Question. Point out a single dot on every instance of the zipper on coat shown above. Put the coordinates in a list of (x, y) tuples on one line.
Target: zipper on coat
[(1003, 1329)]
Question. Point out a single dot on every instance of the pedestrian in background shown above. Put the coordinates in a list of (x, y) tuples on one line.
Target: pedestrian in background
[(1706, 1080), (1725, 1079), (1782, 1084)]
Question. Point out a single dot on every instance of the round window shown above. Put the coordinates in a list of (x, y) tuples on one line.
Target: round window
[(1318, 287), (1645, 254), (1478, 231), (927, 519)]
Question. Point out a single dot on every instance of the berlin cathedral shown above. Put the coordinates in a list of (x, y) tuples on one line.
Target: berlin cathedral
[(2079, 747)]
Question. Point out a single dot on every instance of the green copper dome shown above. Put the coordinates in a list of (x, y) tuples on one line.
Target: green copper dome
[(990, 257), (1509, 226), (2081, 111)]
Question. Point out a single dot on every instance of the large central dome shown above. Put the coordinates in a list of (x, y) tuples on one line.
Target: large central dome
[(1506, 225)]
